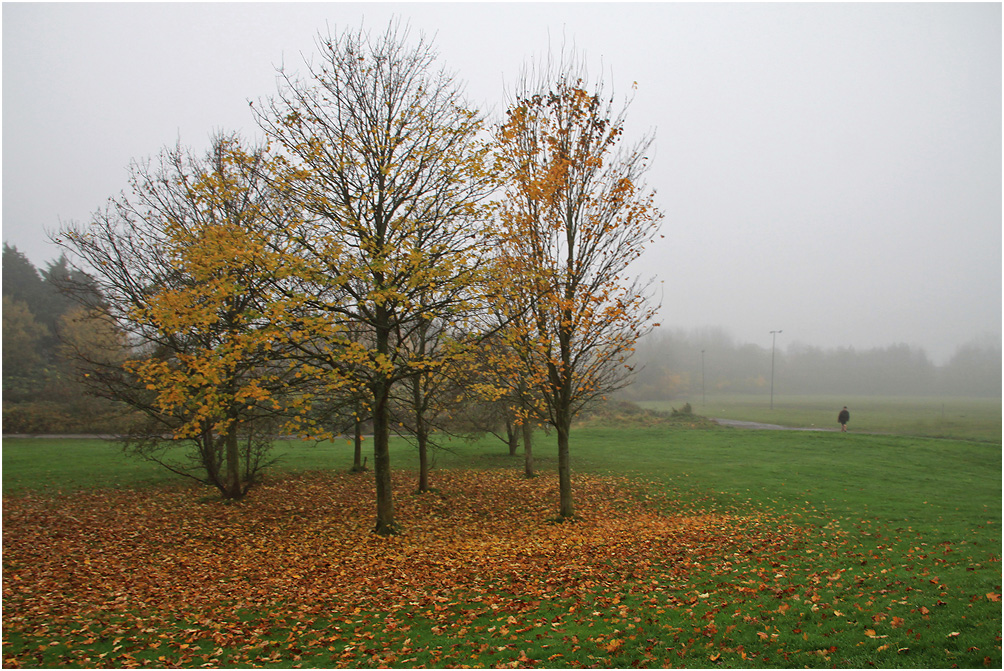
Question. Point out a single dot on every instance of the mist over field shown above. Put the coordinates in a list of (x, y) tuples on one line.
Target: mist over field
[(842, 160), (680, 363)]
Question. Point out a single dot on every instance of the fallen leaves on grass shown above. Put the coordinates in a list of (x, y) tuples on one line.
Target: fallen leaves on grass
[(299, 552), (479, 576)]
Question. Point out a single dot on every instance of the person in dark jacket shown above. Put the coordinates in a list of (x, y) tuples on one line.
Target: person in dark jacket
[(843, 418)]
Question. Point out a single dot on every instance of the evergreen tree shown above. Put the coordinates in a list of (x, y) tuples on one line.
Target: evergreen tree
[(21, 280)]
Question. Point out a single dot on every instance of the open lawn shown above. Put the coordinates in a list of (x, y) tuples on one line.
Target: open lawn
[(934, 417), (694, 547)]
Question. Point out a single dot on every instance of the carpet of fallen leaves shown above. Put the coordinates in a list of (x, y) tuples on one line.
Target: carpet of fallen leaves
[(479, 576)]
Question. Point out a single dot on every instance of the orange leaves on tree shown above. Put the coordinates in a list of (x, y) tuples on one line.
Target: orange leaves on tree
[(570, 221)]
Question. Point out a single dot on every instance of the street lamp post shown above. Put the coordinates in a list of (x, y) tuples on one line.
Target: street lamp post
[(704, 398), (772, 341)]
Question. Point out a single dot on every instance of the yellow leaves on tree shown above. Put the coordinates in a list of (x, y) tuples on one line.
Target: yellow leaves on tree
[(384, 159), (218, 242), (188, 269)]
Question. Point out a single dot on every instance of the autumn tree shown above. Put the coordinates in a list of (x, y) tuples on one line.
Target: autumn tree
[(574, 215), (186, 270), (384, 159)]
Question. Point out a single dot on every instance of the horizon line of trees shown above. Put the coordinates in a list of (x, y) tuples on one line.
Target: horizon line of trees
[(671, 366)]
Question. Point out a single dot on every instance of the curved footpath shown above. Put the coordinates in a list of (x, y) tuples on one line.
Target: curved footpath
[(740, 424)]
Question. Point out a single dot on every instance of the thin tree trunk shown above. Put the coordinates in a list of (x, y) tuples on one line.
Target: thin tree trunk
[(381, 415), (210, 459), (423, 463), (563, 394), (422, 435), (357, 457), (233, 490), (513, 438), (527, 449), (564, 470), (381, 461)]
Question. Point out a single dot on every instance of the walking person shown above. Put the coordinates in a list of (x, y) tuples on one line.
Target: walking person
[(843, 418)]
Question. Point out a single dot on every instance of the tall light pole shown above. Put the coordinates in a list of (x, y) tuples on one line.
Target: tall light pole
[(772, 341), (704, 398)]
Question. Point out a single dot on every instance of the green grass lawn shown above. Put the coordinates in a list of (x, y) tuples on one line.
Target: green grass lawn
[(936, 417), (698, 547)]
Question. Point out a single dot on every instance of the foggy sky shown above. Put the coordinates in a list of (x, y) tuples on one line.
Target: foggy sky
[(833, 171)]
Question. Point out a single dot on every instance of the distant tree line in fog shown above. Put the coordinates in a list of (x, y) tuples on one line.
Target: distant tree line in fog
[(42, 393), (670, 365)]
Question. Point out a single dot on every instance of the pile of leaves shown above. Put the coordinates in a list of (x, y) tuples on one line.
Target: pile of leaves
[(479, 576)]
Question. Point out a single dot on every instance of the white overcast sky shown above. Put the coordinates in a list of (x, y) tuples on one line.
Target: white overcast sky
[(831, 170)]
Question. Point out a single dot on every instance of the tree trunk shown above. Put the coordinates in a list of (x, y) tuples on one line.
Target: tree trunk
[(527, 449), (208, 449), (421, 435), (513, 438), (561, 389), (564, 469), (381, 460), (233, 487), (423, 462), (381, 387), (357, 457)]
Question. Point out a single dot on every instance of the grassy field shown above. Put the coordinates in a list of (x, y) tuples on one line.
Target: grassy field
[(935, 417), (696, 547)]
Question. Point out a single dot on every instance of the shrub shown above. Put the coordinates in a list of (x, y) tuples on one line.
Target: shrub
[(686, 410)]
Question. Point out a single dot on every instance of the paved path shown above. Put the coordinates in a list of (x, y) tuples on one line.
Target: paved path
[(740, 424)]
